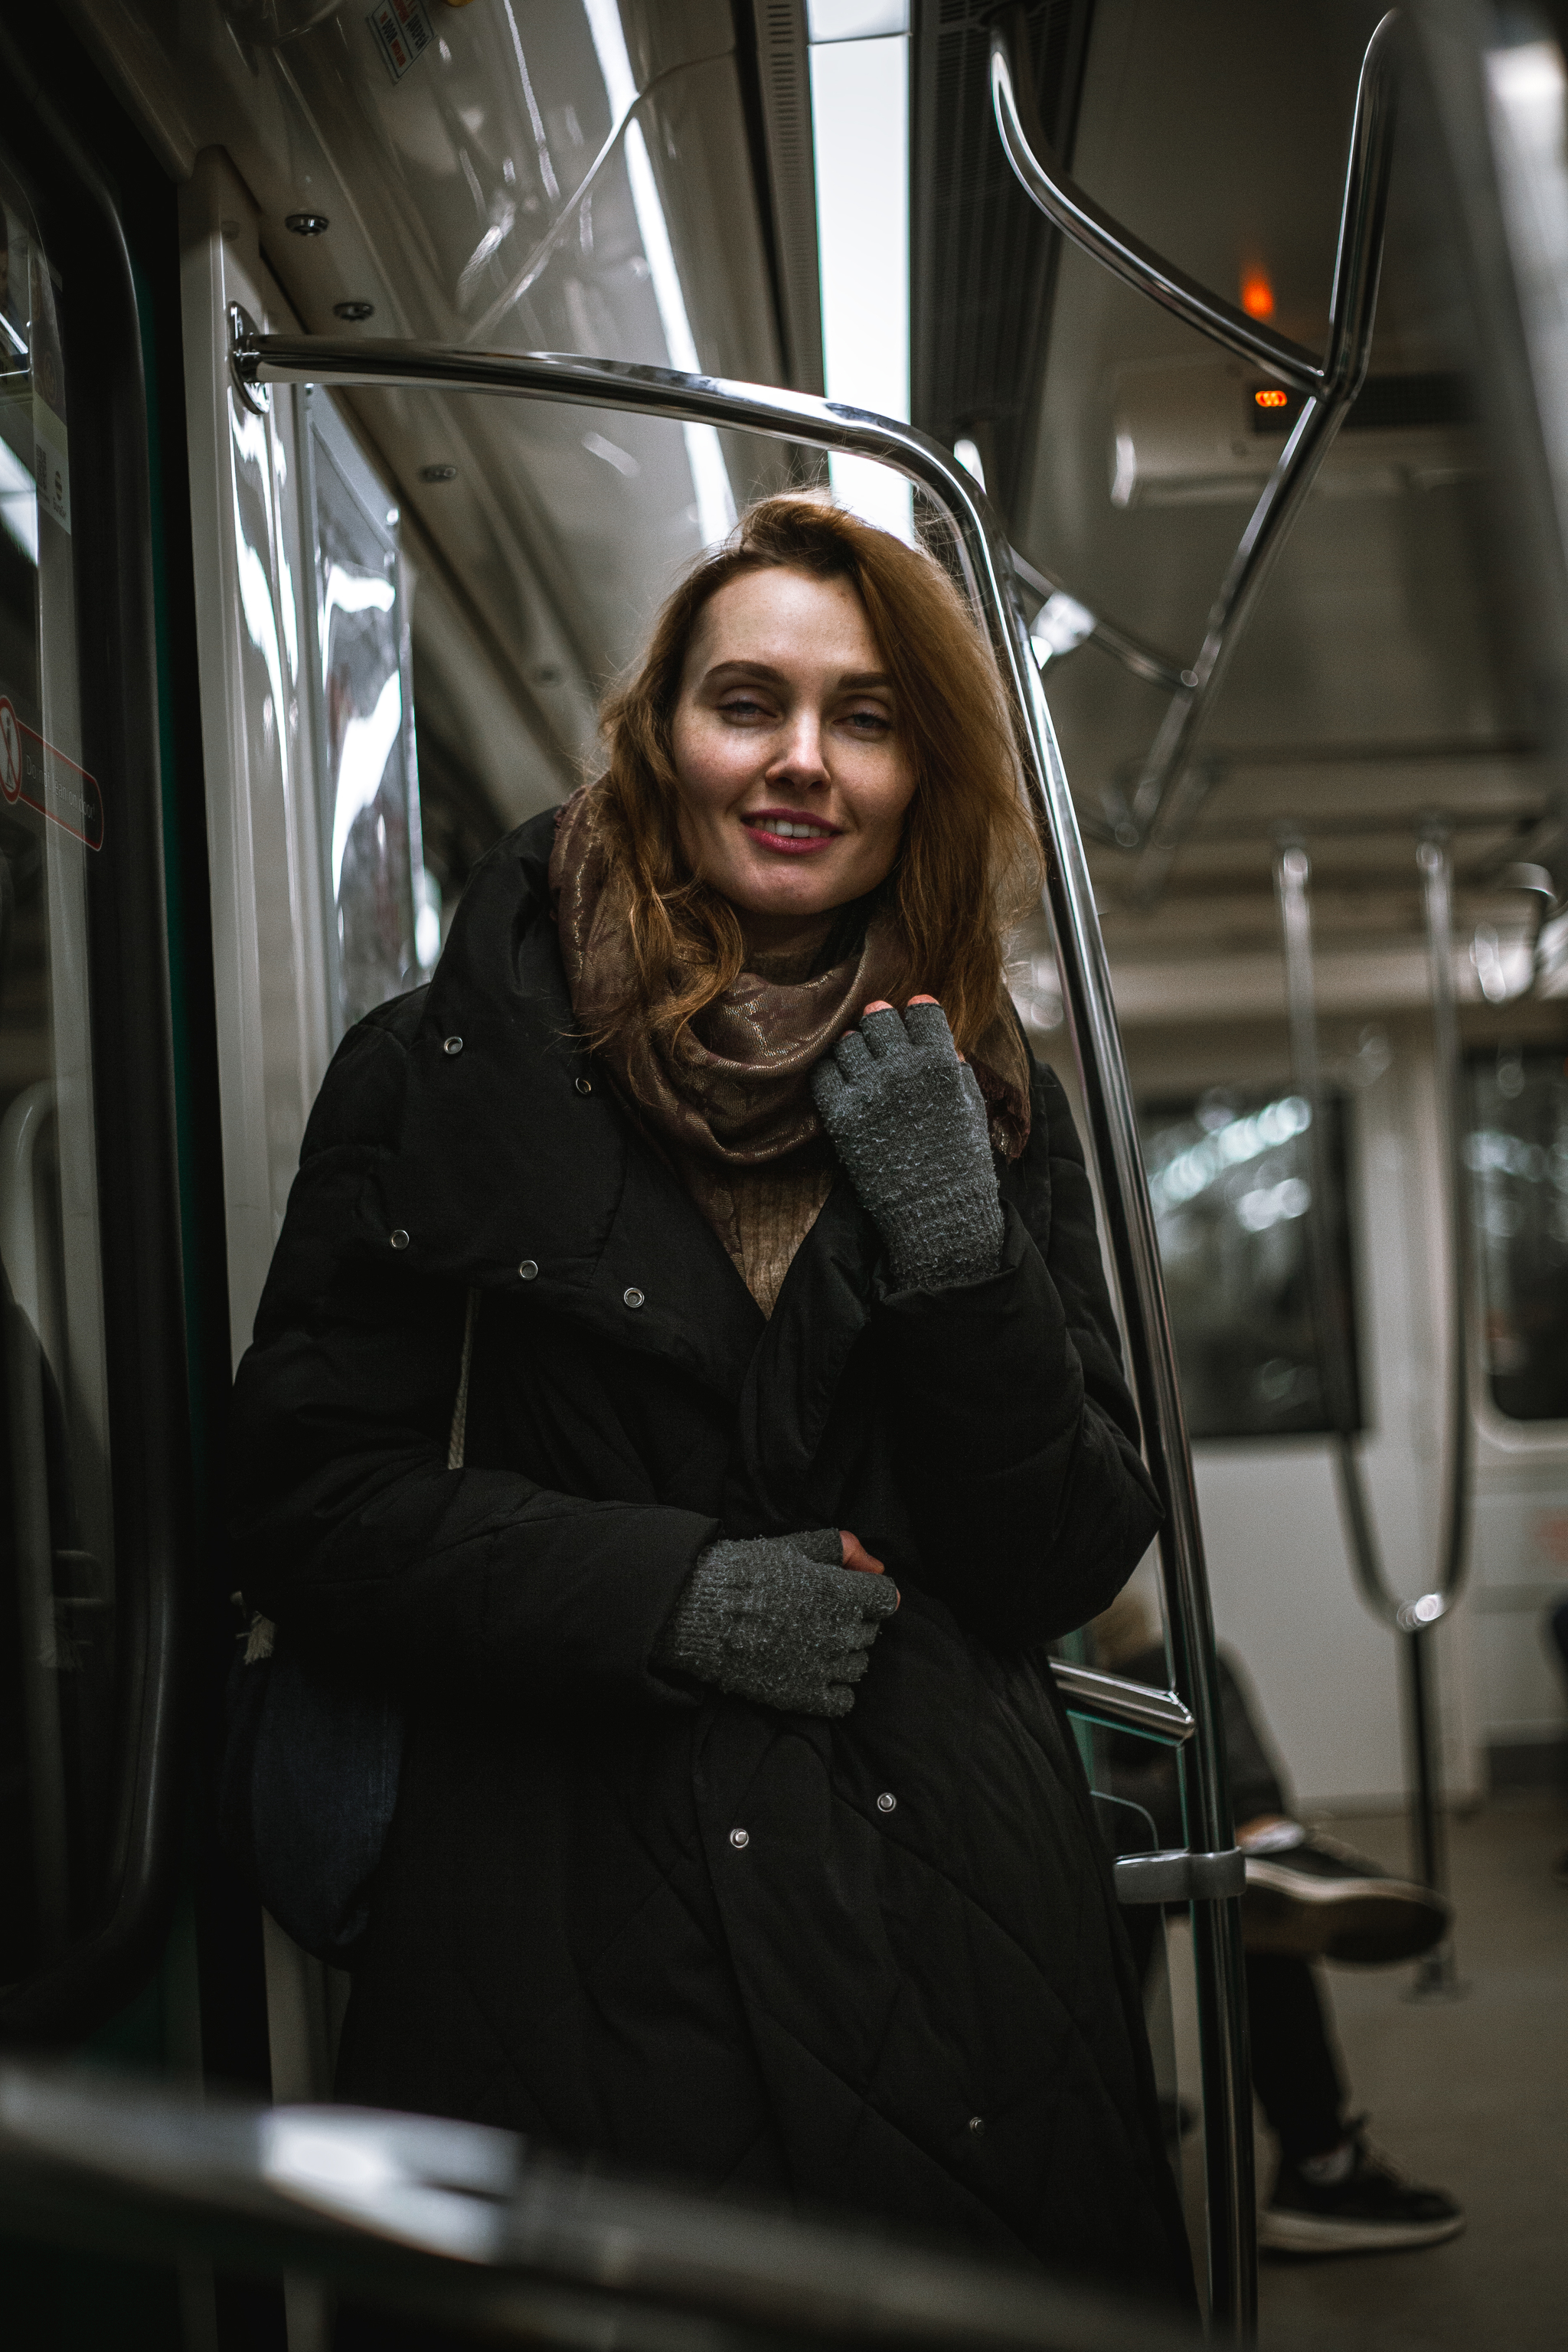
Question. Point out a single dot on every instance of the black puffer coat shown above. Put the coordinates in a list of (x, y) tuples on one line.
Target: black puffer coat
[(873, 1964)]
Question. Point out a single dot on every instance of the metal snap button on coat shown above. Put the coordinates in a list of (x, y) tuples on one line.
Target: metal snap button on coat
[(451, 1046), (527, 1269), (584, 1086), (739, 1838), (399, 1238), (885, 1801), (632, 1297), (977, 2125)]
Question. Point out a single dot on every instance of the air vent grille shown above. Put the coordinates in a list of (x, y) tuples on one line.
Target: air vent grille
[(784, 75), (983, 258)]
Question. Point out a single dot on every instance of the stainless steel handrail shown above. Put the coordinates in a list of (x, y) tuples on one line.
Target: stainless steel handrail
[(498, 2239), (1158, 813), (985, 557), (1536, 881), (1144, 660), (1415, 1620), (1105, 241), (1120, 1705)]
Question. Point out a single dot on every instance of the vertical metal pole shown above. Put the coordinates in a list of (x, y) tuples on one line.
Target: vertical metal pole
[(1217, 1955), (1426, 1818), (1414, 1621)]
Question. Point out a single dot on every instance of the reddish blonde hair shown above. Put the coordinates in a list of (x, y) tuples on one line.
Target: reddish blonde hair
[(969, 860)]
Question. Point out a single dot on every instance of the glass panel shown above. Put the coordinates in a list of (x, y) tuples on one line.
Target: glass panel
[(370, 797), (1517, 1153), (1230, 1178), (57, 1622)]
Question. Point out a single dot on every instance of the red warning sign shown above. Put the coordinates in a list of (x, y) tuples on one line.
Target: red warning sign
[(35, 772)]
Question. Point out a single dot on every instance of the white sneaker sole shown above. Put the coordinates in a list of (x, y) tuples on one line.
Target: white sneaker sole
[(1286, 2232), (1372, 1921)]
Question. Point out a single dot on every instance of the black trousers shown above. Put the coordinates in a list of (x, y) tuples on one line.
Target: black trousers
[(1296, 2071)]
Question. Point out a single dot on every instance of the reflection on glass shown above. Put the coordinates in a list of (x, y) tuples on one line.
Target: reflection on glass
[(370, 807), (57, 1622), (1230, 1180), (1517, 1155)]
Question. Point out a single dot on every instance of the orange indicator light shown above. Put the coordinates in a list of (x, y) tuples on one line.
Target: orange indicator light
[(1258, 294), (1270, 399)]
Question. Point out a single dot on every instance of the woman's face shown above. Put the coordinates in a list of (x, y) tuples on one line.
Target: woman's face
[(793, 775)]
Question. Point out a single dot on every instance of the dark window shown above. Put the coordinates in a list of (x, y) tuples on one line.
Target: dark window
[(1230, 1178), (1516, 1154)]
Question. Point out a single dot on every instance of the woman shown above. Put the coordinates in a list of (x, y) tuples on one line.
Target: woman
[(739, 1833)]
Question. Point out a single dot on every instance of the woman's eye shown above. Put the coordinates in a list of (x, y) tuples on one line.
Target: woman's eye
[(870, 722), (743, 707)]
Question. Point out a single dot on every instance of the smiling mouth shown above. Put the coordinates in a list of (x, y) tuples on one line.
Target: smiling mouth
[(791, 834)]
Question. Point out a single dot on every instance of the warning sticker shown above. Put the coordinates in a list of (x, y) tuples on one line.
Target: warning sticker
[(402, 32), (33, 771), (52, 464)]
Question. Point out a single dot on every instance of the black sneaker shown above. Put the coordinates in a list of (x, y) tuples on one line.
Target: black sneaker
[(1372, 2210), (1315, 1897)]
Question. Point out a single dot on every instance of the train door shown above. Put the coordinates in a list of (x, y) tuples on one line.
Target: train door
[(96, 1520)]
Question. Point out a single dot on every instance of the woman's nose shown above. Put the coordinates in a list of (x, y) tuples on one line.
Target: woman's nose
[(801, 760)]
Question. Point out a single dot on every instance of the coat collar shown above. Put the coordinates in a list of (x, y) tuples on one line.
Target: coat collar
[(513, 1153)]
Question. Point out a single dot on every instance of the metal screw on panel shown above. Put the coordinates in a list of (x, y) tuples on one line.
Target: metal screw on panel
[(307, 224), (527, 1269), (452, 1045), (353, 311), (739, 1838), (399, 1239), (885, 1801), (437, 473), (633, 1297), (584, 1086)]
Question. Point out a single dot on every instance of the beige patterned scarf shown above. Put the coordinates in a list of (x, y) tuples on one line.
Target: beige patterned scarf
[(732, 1094)]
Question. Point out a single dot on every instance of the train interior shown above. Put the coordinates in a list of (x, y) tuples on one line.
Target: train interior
[(379, 622)]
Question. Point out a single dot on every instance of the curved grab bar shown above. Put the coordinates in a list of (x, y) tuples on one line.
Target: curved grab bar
[(1417, 1619), (1093, 230), (1438, 901), (1330, 384), (1538, 883), (1144, 660), (985, 558)]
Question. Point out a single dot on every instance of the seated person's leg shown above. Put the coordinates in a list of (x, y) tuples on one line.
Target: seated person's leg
[(1305, 1895)]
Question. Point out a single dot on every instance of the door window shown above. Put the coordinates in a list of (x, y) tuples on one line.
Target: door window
[(1231, 1182), (58, 1591), (376, 889), (1517, 1156)]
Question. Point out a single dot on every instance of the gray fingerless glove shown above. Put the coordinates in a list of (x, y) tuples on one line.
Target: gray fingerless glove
[(908, 1121), (778, 1620)]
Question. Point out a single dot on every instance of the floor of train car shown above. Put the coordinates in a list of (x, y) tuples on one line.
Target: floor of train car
[(1468, 2094)]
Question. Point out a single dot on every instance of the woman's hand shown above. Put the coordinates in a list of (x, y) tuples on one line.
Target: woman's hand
[(778, 1620), (908, 1120), (856, 1556)]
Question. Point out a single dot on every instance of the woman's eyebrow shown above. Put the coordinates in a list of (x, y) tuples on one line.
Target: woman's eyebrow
[(855, 683)]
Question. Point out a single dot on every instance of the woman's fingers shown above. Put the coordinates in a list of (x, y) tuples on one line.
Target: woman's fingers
[(927, 1024), (856, 1556), (882, 1028), (853, 1055)]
